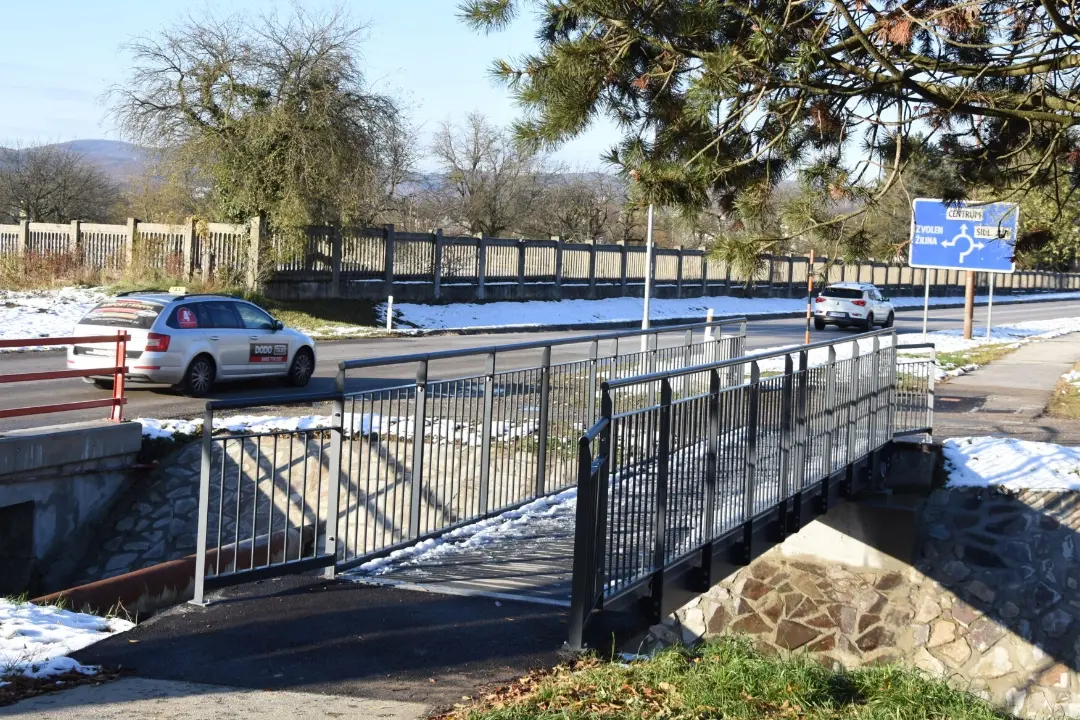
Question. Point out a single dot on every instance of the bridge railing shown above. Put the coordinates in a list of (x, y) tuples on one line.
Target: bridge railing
[(477, 432), (916, 370), (684, 468)]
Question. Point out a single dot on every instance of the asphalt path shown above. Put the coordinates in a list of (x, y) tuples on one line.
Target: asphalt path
[(161, 402)]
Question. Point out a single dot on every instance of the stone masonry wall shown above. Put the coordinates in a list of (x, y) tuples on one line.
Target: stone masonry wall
[(991, 602)]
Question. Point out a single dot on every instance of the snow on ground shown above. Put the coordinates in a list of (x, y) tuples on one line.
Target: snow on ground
[(536, 313), (35, 640), (1072, 378), (526, 521), (1011, 464), (44, 313)]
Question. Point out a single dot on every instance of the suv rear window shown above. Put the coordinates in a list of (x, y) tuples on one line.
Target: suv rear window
[(843, 293), (139, 314)]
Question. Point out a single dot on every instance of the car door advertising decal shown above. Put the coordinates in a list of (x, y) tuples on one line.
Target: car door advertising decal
[(268, 353)]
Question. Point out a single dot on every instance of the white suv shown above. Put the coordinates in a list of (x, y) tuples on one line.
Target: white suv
[(192, 341), (852, 304)]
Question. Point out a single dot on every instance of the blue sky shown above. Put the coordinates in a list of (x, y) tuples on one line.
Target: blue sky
[(64, 54)]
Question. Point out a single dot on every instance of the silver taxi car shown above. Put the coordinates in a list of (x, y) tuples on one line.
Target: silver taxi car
[(192, 341)]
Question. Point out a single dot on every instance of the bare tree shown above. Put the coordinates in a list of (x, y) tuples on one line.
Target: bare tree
[(491, 185), (50, 183), (582, 206), (275, 112)]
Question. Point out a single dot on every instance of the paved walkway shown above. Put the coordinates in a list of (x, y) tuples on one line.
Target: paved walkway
[(1008, 396)]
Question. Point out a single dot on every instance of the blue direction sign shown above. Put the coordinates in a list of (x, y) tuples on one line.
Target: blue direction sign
[(963, 236)]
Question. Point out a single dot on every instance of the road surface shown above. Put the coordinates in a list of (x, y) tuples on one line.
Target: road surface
[(160, 402)]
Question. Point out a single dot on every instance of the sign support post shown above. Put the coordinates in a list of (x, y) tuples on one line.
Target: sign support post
[(969, 303), (809, 295), (926, 301), (990, 307)]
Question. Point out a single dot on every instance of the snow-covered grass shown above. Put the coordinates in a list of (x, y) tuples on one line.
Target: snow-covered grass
[(1011, 464), (538, 313), (44, 313), (1065, 402), (35, 640)]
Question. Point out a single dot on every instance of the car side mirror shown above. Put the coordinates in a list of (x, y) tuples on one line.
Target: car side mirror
[(277, 325)]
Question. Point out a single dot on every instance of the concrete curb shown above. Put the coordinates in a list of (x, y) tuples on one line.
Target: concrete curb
[(665, 322)]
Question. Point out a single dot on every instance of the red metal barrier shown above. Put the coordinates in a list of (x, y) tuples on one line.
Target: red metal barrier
[(116, 402)]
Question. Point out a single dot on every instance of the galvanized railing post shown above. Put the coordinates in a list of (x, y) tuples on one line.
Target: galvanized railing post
[(712, 460), (607, 452), (582, 594), (874, 396), (542, 440), (853, 402), (931, 383), (485, 433), (417, 477), (753, 403), (830, 410), (204, 506), (893, 377), (802, 435), (786, 398), (663, 470), (594, 349), (333, 479)]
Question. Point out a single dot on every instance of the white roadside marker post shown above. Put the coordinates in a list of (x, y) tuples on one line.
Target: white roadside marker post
[(990, 307), (389, 313)]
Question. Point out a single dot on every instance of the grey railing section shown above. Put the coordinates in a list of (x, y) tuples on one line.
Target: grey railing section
[(414, 459), (683, 464), (915, 387)]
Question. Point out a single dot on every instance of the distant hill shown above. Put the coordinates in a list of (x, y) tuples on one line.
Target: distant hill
[(120, 160)]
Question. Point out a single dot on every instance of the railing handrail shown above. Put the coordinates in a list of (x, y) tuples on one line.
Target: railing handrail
[(241, 403), (532, 344), (753, 357), (118, 371)]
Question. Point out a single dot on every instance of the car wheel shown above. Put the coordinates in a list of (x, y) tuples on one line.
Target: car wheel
[(102, 384), (868, 324), (302, 368), (819, 324), (889, 320), (199, 378)]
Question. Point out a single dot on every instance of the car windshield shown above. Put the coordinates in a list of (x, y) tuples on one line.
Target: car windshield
[(124, 313), (844, 293)]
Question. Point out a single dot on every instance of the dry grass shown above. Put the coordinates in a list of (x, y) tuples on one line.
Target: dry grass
[(1065, 402)]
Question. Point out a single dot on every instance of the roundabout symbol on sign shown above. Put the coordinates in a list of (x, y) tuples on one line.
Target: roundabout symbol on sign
[(963, 235)]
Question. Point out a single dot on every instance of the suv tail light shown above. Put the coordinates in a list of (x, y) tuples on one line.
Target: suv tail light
[(820, 299), (156, 342), (860, 303)]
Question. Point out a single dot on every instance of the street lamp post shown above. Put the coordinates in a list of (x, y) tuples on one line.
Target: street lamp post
[(648, 278)]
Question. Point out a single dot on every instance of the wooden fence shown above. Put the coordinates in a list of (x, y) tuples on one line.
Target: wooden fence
[(432, 267)]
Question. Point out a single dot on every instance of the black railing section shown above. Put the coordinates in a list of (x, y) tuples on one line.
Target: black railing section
[(690, 470)]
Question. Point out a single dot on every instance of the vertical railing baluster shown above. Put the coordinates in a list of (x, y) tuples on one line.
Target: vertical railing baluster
[(830, 411), (853, 401), (659, 525), (485, 433), (419, 413), (803, 445), (542, 440), (786, 403), (594, 349), (753, 402)]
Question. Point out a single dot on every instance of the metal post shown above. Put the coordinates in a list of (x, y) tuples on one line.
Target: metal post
[(582, 592), (333, 488), (853, 389), (990, 307), (931, 387), (926, 301), (648, 273), (712, 458), (436, 264), (485, 437), (875, 397), (786, 398), (659, 559), (117, 414), (541, 446), (594, 350), (830, 410), (417, 484), (204, 506), (752, 440), (802, 391)]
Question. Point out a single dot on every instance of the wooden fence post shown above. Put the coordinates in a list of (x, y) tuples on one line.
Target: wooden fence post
[(187, 249), (521, 268), (388, 261), (437, 263), (623, 262), (256, 230), (129, 242), (481, 267), (704, 272), (335, 261), (74, 237), (558, 267), (23, 244), (678, 273), (592, 268)]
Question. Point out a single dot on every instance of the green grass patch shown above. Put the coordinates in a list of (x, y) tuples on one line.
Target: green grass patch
[(975, 356), (1065, 402), (725, 678)]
